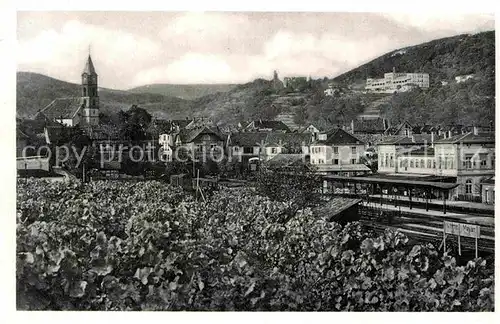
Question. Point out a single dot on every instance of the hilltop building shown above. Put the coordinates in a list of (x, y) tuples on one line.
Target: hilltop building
[(277, 84), (397, 82), (83, 110), (296, 83)]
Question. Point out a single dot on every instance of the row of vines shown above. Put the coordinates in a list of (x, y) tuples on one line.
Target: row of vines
[(148, 246)]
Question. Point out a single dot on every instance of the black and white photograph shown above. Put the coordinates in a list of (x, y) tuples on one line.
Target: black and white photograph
[(254, 161)]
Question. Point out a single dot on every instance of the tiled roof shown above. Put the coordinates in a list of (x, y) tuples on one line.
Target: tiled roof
[(65, 108), (271, 124), (285, 160), (189, 135), (335, 206), (406, 140), (340, 137), (32, 127), (395, 128), (248, 139), (468, 138), (369, 125), (297, 139)]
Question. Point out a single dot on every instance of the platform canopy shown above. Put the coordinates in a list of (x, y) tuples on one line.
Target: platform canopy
[(397, 182)]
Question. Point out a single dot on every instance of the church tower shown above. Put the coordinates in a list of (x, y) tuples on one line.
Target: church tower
[(90, 95)]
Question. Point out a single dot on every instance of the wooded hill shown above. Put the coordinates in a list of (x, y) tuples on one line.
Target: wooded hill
[(470, 102)]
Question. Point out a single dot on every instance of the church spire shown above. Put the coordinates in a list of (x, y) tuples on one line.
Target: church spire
[(89, 66)]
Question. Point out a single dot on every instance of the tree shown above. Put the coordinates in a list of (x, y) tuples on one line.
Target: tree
[(299, 186)]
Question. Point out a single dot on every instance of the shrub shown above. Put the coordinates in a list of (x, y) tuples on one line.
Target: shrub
[(148, 246)]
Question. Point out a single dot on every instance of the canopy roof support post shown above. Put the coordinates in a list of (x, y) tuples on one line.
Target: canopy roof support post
[(444, 202), (427, 194), (409, 193)]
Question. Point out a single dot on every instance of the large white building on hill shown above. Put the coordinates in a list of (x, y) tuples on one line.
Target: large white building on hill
[(397, 82)]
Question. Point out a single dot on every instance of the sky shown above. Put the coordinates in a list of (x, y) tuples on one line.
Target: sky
[(137, 48)]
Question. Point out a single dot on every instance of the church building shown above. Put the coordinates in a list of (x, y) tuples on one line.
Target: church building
[(74, 111)]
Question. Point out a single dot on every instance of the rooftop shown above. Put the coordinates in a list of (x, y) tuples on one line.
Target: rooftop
[(340, 137), (65, 108), (468, 138)]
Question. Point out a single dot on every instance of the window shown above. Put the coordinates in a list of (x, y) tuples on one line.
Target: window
[(433, 164), (199, 148), (274, 150), (428, 164), (446, 163), (392, 161), (468, 161), (422, 163), (416, 164), (412, 163), (85, 102), (335, 150), (400, 163), (386, 159), (248, 150), (353, 149), (468, 186), (483, 160), (336, 161), (353, 161), (84, 92)]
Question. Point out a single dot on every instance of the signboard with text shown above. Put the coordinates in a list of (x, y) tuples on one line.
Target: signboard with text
[(460, 229)]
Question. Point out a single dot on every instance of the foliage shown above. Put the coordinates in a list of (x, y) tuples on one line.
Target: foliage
[(148, 246)]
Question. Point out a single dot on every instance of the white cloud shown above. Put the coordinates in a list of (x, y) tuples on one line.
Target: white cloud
[(191, 68), (432, 21), (63, 53), (218, 47)]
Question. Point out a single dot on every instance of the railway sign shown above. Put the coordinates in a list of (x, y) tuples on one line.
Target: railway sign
[(461, 229)]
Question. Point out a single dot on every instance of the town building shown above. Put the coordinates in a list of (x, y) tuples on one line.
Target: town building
[(246, 145), (266, 145), (83, 110), (466, 159), (338, 152), (397, 82), (463, 78), (470, 158)]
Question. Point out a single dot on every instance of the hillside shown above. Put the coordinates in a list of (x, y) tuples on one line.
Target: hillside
[(443, 59), (469, 102), (35, 91), (446, 101), (183, 91)]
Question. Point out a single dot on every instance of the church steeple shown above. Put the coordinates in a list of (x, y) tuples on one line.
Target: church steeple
[(89, 66), (90, 95)]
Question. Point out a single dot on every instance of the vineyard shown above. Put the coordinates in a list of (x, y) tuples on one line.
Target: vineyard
[(109, 245)]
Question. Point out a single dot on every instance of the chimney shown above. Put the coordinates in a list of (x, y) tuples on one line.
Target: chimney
[(352, 126), (432, 139), (412, 138), (449, 133), (475, 130), (393, 69)]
